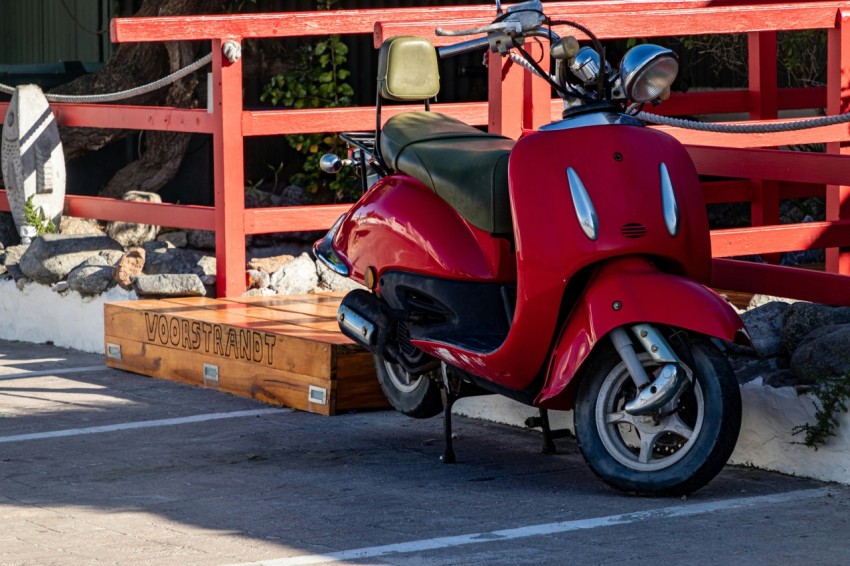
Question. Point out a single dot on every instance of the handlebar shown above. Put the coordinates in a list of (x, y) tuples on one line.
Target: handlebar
[(463, 47), (483, 43)]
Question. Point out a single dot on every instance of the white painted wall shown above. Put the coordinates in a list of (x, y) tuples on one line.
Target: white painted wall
[(39, 314), (766, 441)]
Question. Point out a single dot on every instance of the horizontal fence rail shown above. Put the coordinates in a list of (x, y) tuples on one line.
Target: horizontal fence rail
[(756, 175)]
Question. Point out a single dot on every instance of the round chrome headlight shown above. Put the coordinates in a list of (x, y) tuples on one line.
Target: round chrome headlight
[(647, 71)]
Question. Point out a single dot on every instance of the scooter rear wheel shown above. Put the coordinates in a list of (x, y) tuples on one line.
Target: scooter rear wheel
[(674, 451), (416, 396)]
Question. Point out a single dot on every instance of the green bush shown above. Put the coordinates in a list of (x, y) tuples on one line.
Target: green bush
[(316, 79), (34, 216), (832, 395)]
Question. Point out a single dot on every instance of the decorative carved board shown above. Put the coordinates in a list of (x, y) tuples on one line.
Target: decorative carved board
[(281, 350), (33, 161)]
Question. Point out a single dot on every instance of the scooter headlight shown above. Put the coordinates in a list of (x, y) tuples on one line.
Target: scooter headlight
[(648, 71)]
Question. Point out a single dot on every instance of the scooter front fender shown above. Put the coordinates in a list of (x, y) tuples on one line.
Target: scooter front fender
[(629, 291)]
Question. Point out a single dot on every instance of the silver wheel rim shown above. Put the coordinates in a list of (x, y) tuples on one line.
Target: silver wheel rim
[(400, 379), (644, 444)]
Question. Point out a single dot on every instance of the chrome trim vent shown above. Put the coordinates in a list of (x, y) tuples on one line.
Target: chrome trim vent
[(585, 211), (668, 202), (633, 230)]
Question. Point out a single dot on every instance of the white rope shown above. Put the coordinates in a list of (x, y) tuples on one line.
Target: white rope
[(789, 126), (124, 94), (519, 60)]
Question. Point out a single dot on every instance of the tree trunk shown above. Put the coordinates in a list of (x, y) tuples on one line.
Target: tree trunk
[(131, 65)]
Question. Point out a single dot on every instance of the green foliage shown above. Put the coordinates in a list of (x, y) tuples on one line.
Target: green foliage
[(801, 55), (316, 79), (259, 196), (832, 395), (34, 216), (632, 42), (722, 53), (228, 6)]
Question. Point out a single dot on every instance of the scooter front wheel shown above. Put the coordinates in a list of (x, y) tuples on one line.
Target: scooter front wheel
[(416, 396), (673, 451)]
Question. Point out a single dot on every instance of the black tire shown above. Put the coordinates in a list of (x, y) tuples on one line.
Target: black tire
[(668, 460), (416, 396)]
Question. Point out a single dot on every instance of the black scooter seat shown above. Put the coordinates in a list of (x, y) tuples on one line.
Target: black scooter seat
[(464, 166)]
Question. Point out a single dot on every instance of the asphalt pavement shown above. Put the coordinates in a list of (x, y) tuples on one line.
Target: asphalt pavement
[(99, 466)]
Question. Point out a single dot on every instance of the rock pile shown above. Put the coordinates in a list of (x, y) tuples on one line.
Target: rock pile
[(794, 343), (83, 258)]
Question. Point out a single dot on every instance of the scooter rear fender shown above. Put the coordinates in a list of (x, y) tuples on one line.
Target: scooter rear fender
[(400, 224), (628, 291)]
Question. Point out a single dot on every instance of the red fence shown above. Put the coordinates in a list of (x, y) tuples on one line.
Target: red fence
[(515, 103)]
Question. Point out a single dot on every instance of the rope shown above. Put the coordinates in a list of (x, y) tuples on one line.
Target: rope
[(645, 116), (522, 62), (124, 94), (77, 22), (790, 126)]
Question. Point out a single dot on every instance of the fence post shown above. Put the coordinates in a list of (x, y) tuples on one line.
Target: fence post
[(838, 102), (763, 104), (229, 174), (505, 96), (537, 94)]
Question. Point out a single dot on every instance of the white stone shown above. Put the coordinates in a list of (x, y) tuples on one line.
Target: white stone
[(33, 160), (38, 314), (298, 277), (766, 440), (495, 408)]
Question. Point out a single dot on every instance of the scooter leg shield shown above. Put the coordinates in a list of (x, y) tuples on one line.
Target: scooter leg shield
[(630, 291)]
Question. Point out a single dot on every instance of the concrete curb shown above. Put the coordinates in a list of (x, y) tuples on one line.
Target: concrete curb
[(38, 314), (766, 440)]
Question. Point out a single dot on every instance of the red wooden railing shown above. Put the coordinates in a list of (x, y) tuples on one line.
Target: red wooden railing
[(765, 175)]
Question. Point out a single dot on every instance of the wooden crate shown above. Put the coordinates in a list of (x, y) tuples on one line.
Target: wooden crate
[(281, 350)]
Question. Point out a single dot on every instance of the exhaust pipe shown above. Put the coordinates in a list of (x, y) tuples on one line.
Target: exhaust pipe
[(362, 318), (367, 321)]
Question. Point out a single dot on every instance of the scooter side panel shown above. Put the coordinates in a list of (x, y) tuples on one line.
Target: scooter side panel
[(620, 169), (402, 225), (630, 291)]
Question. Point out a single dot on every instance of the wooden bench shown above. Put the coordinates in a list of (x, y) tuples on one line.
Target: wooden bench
[(284, 350)]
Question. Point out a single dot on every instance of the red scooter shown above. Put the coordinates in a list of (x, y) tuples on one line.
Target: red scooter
[(565, 270)]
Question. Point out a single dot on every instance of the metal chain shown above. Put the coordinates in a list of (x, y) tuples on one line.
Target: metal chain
[(124, 94), (789, 126)]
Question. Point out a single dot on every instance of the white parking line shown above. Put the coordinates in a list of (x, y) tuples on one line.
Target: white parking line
[(41, 373), (547, 529), (140, 424)]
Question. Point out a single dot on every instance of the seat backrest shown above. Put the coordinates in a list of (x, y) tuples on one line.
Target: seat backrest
[(407, 69)]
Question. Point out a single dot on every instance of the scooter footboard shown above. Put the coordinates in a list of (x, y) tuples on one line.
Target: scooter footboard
[(628, 291)]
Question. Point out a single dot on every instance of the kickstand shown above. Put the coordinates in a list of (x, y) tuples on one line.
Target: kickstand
[(448, 456), (549, 435), (548, 442)]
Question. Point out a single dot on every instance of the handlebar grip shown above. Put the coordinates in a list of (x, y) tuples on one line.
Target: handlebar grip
[(464, 47)]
